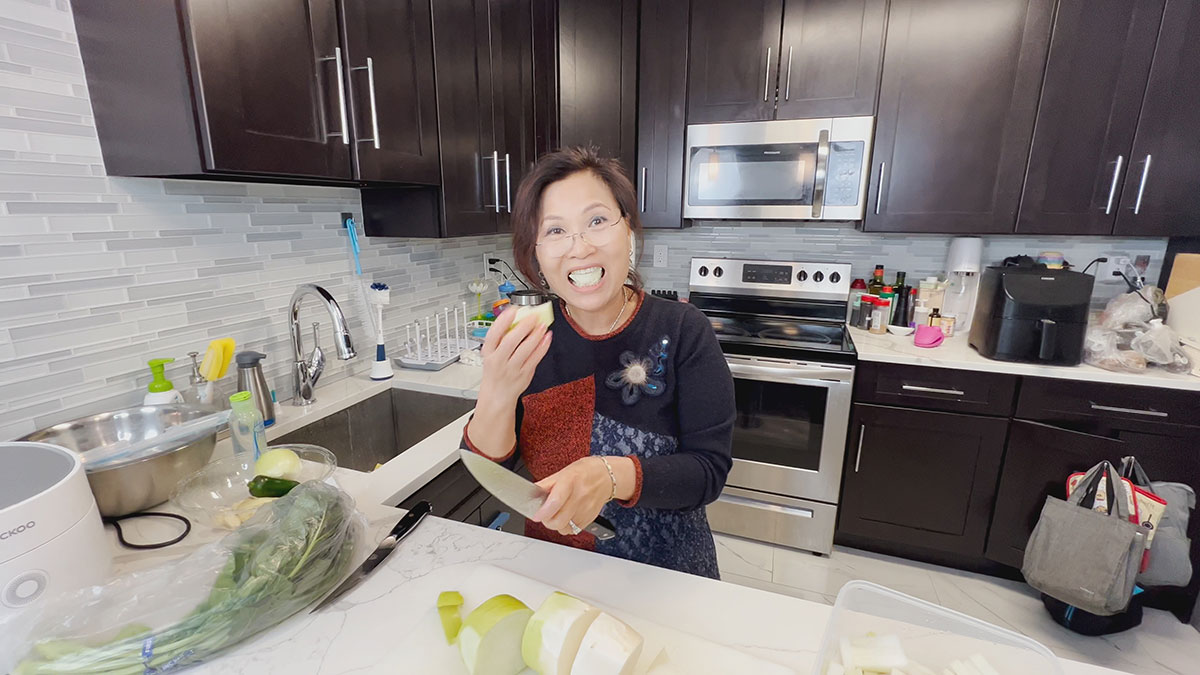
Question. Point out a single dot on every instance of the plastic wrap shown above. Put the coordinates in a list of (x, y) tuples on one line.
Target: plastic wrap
[(1135, 307), (1160, 345), (289, 555), (1101, 348)]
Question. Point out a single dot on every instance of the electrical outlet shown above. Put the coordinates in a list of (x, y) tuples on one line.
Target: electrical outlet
[(488, 255), (1109, 272), (660, 255)]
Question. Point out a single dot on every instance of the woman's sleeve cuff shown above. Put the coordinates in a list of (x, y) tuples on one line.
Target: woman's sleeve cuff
[(637, 484), (471, 446)]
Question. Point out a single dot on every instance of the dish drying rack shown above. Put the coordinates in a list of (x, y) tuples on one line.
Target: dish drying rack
[(435, 341)]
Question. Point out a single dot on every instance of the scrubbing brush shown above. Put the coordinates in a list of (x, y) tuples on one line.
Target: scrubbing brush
[(379, 295)]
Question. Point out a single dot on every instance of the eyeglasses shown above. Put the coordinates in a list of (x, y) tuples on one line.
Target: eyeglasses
[(600, 232)]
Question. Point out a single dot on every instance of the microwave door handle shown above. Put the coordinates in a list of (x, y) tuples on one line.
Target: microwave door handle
[(821, 176)]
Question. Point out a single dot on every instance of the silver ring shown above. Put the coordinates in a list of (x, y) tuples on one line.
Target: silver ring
[(575, 529)]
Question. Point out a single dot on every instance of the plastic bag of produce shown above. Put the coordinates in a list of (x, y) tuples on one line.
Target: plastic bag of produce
[(290, 554), (1101, 348)]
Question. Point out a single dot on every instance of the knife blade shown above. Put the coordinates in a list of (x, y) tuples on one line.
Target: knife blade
[(519, 494), (402, 529)]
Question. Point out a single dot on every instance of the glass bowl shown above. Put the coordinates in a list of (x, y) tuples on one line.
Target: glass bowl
[(217, 495)]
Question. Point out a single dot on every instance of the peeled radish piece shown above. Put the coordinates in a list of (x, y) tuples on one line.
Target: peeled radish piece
[(661, 665), (543, 314), (490, 639), (982, 665), (555, 632), (879, 653), (610, 647)]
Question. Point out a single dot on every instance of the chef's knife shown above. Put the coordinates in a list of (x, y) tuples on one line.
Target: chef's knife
[(381, 552), (519, 494)]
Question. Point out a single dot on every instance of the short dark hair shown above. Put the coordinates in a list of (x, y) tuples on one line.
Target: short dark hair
[(550, 169)]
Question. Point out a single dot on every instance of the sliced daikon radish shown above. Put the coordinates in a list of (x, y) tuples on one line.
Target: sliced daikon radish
[(878, 653), (661, 665), (490, 639), (981, 664), (610, 647), (963, 668), (554, 633), (835, 668)]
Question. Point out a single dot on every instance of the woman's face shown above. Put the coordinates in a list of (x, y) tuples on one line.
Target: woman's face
[(592, 271)]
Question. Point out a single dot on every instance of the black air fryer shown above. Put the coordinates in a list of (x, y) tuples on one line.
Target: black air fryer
[(1032, 314)]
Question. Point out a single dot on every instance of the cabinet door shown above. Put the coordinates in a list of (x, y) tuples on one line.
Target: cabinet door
[(1036, 465), (662, 93), (830, 57), (597, 76), (733, 61), (1087, 116), (471, 175), (1160, 195), (921, 478), (270, 86), (512, 80), (956, 106), (389, 56)]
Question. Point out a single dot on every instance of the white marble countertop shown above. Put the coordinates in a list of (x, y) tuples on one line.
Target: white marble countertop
[(455, 379), (955, 352)]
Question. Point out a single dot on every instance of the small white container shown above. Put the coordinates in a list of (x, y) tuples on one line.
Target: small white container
[(931, 635)]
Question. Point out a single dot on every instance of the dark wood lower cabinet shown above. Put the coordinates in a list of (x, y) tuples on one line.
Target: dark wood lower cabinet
[(921, 479)]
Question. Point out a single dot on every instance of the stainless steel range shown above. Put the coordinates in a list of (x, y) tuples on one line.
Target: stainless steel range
[(782, 328)]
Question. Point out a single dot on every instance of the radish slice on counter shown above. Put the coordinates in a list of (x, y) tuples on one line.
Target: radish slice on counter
[(610, 647), (490, 639), (555, 632), (661, 665)]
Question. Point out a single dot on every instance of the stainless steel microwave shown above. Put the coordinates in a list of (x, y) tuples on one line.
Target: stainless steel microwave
[(812, 169)]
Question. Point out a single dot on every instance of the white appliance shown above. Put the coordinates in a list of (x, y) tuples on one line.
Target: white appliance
[(964, 262), (51, 536), (812, 169)]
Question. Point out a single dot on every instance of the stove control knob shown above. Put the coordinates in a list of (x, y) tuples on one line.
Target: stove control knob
[(717, 272), (802, 276), (703, 271), (835, 277), (819, 277)]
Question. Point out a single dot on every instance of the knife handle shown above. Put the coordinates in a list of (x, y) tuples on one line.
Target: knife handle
[(601, 528)]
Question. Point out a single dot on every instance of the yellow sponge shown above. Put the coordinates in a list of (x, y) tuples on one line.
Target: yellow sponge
[(217, 358)]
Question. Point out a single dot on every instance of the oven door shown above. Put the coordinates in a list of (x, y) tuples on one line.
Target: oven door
[(812, 169), (789, 437)]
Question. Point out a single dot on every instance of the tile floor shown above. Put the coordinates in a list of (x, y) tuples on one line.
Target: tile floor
[(1160, 646)]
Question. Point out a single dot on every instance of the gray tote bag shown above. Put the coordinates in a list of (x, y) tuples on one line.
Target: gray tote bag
[(1171, 555), (1083, 557)]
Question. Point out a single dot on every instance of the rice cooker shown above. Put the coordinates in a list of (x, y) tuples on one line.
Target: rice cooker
[(51, 536)]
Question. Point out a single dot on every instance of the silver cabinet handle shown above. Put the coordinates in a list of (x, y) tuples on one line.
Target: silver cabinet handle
[(341, 86), (507, 184), (862, 433), (642, 192), (496, 178), (738, 500), (787, 88), (932, 390), (1137, 206), (821, 174), (337, 59), (1131, 411), (370, 68), (767, 77), (879, 189), (1112, 188)]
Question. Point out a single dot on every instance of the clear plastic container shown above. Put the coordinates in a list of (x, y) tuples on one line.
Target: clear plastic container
[(931, 635)]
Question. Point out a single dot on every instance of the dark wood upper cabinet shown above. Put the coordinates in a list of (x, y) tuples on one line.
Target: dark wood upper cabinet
[(390, 90), (733, 60), (1100, 56), (921, 478), (662, 96), (1161, 195), (957, 101), (269, 89), (597, 77), (831, 52), (513, 111)]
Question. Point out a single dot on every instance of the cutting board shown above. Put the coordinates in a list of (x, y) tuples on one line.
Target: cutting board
[(425, 650)]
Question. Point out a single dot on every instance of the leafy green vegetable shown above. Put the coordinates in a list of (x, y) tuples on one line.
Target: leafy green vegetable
[(275, 568)]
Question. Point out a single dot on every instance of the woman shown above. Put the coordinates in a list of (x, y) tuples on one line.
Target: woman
[(628, 409)]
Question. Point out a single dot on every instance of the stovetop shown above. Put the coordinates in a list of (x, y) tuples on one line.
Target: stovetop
[(779, 309)]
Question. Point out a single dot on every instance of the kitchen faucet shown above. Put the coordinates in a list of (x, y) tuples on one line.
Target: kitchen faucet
[(306, 372)]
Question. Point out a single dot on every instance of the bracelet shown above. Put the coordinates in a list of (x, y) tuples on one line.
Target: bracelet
[(611, 476)]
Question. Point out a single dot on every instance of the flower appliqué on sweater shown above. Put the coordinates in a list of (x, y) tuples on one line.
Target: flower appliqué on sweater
[(641, 374)]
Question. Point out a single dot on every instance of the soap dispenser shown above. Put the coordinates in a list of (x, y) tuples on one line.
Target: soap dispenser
[(161, 391)]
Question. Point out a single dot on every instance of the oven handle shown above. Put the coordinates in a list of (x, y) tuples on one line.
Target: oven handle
[(818, 377), (821, 176), (756, 504)]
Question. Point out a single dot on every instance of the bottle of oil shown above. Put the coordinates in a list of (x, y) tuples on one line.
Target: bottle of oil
[(876, 285)]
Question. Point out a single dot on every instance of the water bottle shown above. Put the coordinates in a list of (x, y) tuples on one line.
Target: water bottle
[(246, 427)]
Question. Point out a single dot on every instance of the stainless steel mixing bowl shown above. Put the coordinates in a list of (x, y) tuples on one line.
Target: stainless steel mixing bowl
[(138, 485)]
